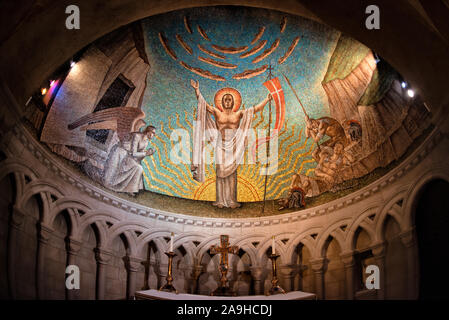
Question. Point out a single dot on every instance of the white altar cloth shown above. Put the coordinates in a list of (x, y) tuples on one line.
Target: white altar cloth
[(162, 295)]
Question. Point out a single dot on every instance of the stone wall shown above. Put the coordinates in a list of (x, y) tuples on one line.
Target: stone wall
[(51, 218)]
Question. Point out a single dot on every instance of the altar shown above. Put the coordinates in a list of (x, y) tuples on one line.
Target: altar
[(163, 295)]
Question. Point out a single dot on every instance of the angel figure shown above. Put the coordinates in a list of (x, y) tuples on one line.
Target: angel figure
[(122, 171)]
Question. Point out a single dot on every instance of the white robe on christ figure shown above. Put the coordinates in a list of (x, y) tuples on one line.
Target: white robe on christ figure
[(229, 152)]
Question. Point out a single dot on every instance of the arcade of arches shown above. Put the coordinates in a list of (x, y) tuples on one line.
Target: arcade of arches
[(52, 215)]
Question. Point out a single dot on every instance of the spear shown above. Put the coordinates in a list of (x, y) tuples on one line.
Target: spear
[(270, 75), (296, 95), (300, 103)]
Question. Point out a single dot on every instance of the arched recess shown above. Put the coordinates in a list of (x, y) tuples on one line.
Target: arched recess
[(240, 274), (23, 272), (7, 196), (85, 260), (209, 277), (150, 255), (334, 279), (56, 256), (432, 224), (363, 257), (396, 272), (181, 268), (304, 279), (116, 272)]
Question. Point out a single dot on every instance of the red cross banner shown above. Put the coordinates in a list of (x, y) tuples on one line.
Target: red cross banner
[(275, 88)]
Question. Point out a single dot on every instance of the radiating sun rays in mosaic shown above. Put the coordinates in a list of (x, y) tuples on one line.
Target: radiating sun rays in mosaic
[(166, 173)]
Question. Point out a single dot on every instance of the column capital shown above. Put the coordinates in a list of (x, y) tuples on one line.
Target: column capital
[(348, 258), (288, 270), (317, 265), (73, 246), (102, 256), (256, 272), (44, 233), (193, 272), (408, 238), (17, 217), (132, 263), (378, 249)]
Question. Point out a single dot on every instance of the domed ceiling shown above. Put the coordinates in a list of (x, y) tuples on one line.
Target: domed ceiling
[(298, 111)]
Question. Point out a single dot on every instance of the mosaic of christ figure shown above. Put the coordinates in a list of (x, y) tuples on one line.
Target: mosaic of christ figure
[(227, 132)]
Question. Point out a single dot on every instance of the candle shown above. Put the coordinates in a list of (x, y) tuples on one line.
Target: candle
[(171, 242), (273, 246)]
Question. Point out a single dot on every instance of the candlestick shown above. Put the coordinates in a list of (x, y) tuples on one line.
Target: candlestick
[(169, 285), (275, 287), (171, 242)]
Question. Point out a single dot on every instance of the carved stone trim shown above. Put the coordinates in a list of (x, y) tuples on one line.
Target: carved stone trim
[(73, 246), (378, 250), (132, 263), (318, 265), (44, 233), (102, 256), (408, 238), (348, 259), (50, 161)]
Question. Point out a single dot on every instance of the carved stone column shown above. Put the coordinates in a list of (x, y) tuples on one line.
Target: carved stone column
[(44, 235), (197, 270), (409, 241), (73, 246), (15, 227), (378, 251), (161, 272), (318, 270), (288, 273), (132, 266), (146, 284), (256, 273), (298, 279), (348, 260), (103, 257)]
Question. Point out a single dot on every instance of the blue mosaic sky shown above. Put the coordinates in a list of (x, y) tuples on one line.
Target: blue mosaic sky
[(169, 93)]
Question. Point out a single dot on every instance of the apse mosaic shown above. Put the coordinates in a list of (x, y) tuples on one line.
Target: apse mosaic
[(236, 83)]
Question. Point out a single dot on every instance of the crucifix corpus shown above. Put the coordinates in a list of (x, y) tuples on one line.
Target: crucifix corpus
[(224, 249)]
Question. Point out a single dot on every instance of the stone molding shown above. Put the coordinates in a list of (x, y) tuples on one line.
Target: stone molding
[(102, 256), (53, 163)]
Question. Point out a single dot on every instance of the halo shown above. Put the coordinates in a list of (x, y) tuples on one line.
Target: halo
[(234, 92)]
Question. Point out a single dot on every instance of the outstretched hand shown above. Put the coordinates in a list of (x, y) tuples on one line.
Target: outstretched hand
[(195, 84), (150, 152)]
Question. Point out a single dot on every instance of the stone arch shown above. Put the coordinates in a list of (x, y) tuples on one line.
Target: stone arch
[(43, 188), (96, 218), (414, 192), (281, 249), (336, 233), (363, 222), (385, 212), (16, 165), (305, 240), (127, 230), (206, 244), (245, 243), (70, 218), (155, 235), (191, 250), (71, 206), (68, 203)]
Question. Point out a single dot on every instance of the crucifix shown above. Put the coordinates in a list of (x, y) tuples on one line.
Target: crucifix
[(224, 249)]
